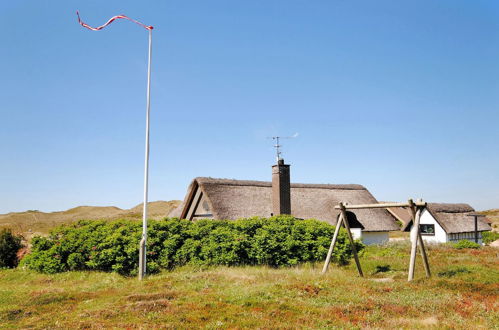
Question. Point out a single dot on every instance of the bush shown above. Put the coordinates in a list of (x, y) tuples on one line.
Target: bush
[(113, 246), (466, 244), (489, 236), (9, 245)]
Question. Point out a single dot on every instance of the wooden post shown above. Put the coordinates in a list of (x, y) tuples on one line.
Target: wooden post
[(420, 240), (476, 229), (423, 254), (414, 244), (347, 227), (426, 264), (333, 243)]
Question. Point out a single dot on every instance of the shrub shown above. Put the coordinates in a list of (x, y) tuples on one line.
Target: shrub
[(466, 244), (113, 246), (489, 236), (9, 245)]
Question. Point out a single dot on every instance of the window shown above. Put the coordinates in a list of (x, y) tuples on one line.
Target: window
[(427, 229)]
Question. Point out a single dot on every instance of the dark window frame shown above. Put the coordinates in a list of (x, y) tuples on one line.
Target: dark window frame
[(424, 232)]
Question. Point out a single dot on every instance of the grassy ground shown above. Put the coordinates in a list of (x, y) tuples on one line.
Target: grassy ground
[(463, 293)]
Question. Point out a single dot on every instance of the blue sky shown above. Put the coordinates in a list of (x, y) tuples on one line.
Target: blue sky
[(399, 96)]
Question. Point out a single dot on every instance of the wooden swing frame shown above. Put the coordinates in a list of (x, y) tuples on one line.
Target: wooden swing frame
[(416, 208)]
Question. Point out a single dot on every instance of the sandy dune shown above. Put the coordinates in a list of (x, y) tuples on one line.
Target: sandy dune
[(36, 222)]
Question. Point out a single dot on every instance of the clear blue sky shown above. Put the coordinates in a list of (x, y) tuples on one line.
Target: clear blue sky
[(399, 96)]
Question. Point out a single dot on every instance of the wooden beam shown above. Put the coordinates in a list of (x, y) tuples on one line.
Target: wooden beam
[(195, 204), (189, 199), (378, 206), (423, 254), (352, 242), (476, 229), (333, 243)]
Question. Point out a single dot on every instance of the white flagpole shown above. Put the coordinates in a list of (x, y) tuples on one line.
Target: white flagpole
[(143, 241)]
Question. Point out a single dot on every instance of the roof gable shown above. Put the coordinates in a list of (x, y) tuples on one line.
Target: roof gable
[(455, 218)]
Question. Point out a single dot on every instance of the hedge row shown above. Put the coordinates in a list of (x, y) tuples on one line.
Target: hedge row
[(113, 246)]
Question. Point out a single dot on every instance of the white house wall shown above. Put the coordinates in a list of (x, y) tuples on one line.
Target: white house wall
[(370, 237), (440, 234), (375, 237), (356, 233)]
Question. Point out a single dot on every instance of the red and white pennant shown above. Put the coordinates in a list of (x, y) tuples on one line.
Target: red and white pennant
[(112, 19)]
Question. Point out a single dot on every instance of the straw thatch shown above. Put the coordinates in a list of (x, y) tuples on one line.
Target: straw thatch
[(402, 214), (450, 208), (455, 218), (234, 199)]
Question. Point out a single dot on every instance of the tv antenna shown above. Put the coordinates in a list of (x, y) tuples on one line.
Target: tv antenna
[(278, 146)]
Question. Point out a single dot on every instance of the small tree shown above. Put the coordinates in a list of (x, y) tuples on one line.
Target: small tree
[(9, 245)]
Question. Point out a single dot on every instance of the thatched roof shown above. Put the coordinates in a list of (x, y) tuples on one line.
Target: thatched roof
[(455, 218), (402, 214), (450, 208), (234, 199)]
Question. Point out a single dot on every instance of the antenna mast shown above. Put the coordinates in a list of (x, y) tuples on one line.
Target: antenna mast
[(278, 146)]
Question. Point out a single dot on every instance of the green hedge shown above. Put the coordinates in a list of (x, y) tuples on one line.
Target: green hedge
[(113, 246)]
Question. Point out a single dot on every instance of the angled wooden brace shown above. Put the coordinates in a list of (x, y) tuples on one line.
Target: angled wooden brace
[(343, 220)]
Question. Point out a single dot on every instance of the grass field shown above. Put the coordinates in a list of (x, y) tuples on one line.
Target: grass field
[(463, 293)]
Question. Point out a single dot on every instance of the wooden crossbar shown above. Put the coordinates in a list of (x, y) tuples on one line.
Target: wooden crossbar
[(379, 205)]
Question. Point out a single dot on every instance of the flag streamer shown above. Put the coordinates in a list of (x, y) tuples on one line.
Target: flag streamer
[(112, 19)]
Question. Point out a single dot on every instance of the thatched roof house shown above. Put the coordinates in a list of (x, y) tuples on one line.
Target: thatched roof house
[(234, 199), (443, 222)]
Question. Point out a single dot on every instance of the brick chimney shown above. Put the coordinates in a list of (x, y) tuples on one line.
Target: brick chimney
[(281, 189)]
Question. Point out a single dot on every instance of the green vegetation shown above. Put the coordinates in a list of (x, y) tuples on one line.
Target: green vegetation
[(454, 271), (9, 246), (113, 246), (489, 236), (266, 297), (466, 244)]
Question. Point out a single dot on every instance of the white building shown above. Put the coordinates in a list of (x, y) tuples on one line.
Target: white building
[(442, 223)]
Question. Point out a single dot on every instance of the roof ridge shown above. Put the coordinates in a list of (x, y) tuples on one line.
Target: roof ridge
[(450, 207), (234, 182)]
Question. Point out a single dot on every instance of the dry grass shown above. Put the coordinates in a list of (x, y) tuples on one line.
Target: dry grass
[(242, 297), (493, 215), (34, 222)]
